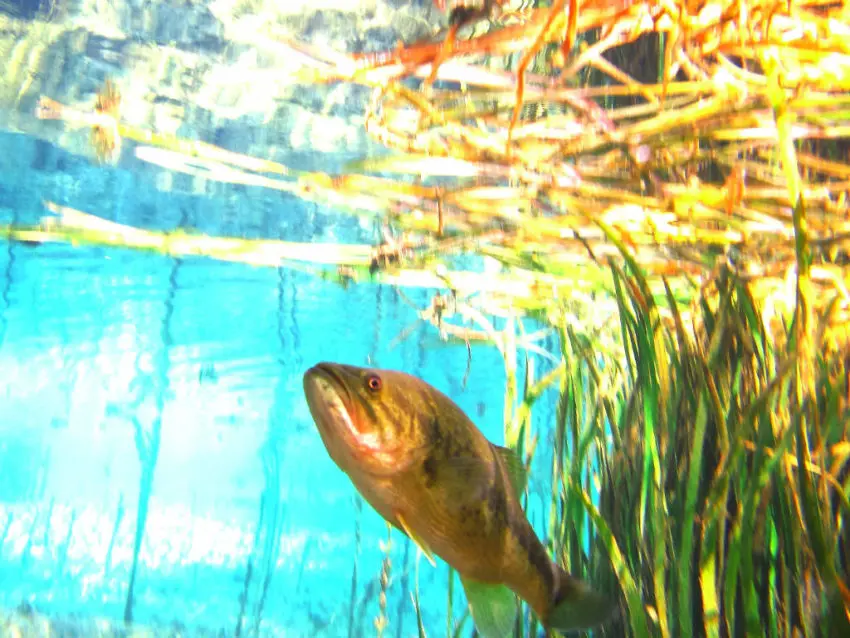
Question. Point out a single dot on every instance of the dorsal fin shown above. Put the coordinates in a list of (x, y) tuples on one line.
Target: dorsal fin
[(515, 467)]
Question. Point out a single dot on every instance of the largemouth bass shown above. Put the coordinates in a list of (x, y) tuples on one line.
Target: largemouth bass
[(416, 458)]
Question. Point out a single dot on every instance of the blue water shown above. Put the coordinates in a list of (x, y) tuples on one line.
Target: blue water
[(124, 373)]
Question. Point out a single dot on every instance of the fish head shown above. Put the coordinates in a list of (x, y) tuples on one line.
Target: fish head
[(371, 421)]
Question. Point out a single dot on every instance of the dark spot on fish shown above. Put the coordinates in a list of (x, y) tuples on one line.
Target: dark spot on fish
[(442, 445), (434, 434), (497, 506), (481, 408), (535, 551), (443, 442), (371, 413), (429, 471)]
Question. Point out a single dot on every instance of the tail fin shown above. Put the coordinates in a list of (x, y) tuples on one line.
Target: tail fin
[(577, 605)]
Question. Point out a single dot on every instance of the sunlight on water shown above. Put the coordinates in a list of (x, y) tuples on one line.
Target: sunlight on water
[(140, 390), (106, 351)]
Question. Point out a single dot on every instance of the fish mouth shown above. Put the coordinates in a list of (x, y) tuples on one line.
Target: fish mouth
[(331, 404), (328, 398), (327, 387)]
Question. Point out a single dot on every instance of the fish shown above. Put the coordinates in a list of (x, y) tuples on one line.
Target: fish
[(426, 468)]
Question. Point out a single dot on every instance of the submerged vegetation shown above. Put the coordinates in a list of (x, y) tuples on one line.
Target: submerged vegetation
[(724, 474), (682, 225)]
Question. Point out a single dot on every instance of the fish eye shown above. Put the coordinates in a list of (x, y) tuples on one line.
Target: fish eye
[(373, 382)]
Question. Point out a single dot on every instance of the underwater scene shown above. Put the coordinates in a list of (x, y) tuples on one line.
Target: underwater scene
[(425, 318)]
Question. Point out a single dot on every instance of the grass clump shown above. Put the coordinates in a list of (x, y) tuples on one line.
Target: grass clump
[(723, 498)]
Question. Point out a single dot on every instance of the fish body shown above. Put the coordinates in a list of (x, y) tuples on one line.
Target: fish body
[(424, 466)]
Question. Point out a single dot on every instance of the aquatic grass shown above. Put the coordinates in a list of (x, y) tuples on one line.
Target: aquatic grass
[(717, 437), (650, 180), (382, 621)]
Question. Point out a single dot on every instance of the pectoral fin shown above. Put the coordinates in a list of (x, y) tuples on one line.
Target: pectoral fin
[(464, 471), (493, 608), (423, 547)]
